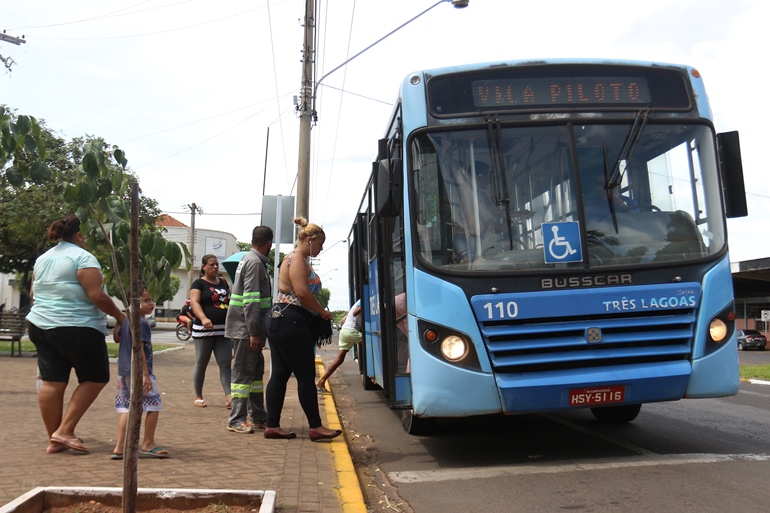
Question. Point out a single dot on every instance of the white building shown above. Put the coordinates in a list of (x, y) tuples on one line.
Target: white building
[(207, 242), (9, 293)]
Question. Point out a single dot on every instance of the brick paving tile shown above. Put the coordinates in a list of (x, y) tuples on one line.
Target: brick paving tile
[(203, 453)]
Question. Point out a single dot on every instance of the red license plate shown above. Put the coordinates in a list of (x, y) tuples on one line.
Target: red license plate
[(598, 395)]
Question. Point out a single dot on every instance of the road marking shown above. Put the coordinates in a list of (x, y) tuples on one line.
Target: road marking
[(749, 392), (609, 439), (456, 474)]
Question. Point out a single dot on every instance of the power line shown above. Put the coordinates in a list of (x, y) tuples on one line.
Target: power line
[(356, 94), (176, 29), (218, 213)]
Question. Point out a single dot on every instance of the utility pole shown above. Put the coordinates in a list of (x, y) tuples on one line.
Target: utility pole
[(306, 110), (306, 102), (10, 39), (7, 61), (193, 210)]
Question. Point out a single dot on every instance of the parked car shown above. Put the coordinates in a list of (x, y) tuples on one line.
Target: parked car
[(751, 338), (111, 321)]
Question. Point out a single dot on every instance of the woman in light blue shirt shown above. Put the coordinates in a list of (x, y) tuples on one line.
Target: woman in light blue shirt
[(67, 324)]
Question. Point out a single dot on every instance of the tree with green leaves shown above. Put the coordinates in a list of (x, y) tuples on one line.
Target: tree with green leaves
[(37, 169), (96, 187)]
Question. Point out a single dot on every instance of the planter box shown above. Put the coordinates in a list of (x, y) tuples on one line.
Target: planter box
[(39, 499)]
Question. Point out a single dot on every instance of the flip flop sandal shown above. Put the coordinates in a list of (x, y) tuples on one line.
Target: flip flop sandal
[(154, 453), (76, 444), (200, 403)]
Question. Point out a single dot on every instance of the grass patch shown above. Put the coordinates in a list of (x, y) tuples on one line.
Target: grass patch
[(756, 372), (112, 348)]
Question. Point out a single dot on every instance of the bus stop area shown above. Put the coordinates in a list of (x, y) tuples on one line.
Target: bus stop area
[(306, 476), (751, 285)]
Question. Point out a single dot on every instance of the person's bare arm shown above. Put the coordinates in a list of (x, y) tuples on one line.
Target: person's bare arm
[(93, 283), (146, 381), (195, 304), (298, 273)]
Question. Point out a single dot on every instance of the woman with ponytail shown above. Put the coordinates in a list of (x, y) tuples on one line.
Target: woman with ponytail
[(292, 343)]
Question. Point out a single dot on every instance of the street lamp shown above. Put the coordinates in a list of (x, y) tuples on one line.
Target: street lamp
[(306, 104)]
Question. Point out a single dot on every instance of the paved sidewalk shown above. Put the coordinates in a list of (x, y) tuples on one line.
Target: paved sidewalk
[(307, 476)]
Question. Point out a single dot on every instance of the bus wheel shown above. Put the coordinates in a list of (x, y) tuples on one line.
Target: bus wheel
[(417, 425), (617, 414)]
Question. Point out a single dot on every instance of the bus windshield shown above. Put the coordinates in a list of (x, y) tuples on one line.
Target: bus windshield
[(645, 193)]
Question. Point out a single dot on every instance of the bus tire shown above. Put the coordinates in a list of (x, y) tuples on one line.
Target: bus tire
[(417, 425), (617, 414)]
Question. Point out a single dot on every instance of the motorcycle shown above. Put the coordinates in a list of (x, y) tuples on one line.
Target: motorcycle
[(182, 332)]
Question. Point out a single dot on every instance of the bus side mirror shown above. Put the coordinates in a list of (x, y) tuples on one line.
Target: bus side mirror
[(731, 169), (388, 187)]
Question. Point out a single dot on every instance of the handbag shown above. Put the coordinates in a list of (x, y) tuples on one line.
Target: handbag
[(320, 330)]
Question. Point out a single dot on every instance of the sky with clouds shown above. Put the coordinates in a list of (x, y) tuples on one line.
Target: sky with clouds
[(200, 94)]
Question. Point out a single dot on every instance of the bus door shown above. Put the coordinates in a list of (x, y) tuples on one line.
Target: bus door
[(357, 272), (393, 311), (391, 273), (364, 264)]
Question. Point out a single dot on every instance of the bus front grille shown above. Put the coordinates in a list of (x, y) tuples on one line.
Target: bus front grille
[(589, 342)]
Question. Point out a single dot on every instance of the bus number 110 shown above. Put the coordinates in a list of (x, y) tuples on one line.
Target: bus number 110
[(507, 310)]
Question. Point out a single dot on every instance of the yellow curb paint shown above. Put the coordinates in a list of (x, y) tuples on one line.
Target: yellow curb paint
[(349, 488)]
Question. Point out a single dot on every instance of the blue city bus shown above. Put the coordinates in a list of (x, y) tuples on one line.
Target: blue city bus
[(548, 235)]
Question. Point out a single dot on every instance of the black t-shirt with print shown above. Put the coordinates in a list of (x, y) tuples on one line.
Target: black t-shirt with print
[(214, 300)]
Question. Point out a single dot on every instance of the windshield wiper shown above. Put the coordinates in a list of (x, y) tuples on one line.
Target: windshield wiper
[(613, 178), (608, 188), (626, 152), (499, 182)]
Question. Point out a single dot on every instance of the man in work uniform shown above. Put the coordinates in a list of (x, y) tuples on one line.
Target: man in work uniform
[(250, 300)]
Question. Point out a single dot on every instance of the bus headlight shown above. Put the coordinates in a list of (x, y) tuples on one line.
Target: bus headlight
[(718, 330), (454, 348)]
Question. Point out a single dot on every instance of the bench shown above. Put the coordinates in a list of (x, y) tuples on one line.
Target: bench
[(12, 327)]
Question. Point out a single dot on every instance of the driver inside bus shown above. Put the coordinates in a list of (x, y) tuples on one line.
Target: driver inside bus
[(596, 204)]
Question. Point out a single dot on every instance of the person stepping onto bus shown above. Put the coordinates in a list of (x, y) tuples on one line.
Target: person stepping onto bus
[(350, 335)]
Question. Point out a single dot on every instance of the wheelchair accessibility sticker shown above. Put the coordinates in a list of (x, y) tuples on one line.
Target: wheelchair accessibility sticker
[(561, 242)]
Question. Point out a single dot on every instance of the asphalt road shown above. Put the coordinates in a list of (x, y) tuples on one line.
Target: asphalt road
[(708, 455)]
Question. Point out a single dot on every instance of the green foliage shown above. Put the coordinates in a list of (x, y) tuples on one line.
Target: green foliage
[(323, 296), (28, 209), (761, 372), (98, 190), (22, 150), (339, 315), (271, 258), (45, 178)]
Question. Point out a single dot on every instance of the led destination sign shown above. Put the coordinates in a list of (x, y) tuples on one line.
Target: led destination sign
[(563, 88), (553, 91)]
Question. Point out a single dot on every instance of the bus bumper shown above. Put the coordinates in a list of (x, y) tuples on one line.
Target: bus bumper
[(550, 390), (715, 375)]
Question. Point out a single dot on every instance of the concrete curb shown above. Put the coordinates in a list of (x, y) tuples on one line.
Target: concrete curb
[(349, 487), (755, 381)]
